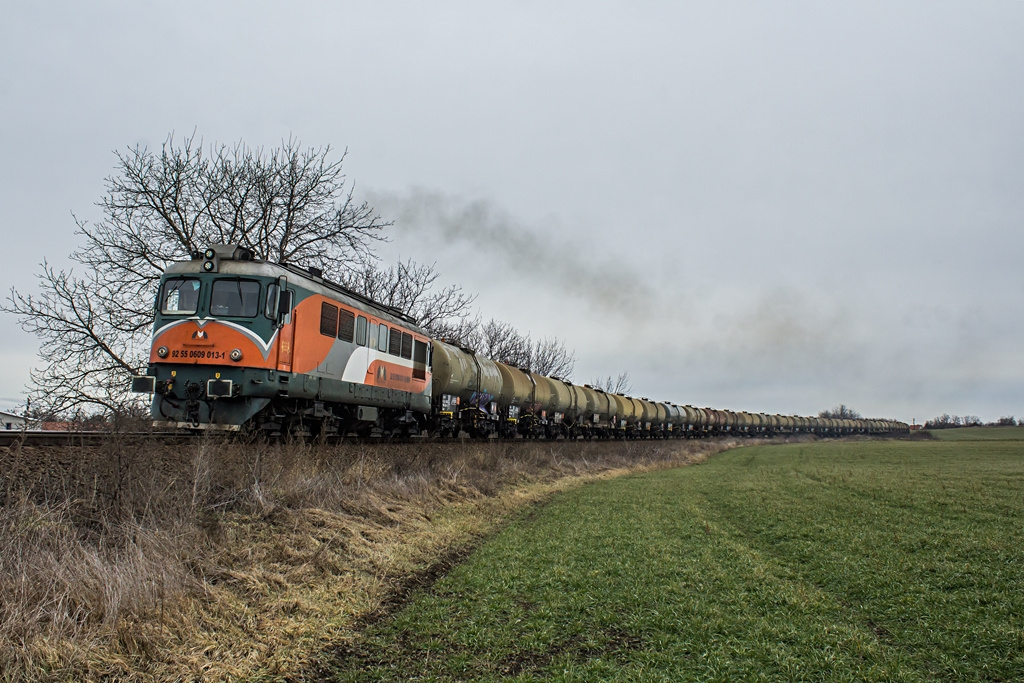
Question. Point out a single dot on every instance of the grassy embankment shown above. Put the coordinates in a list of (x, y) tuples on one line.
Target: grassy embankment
[(979, 434), (886, 561), (224, 561)]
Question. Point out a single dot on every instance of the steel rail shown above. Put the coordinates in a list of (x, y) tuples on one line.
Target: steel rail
[(39, 437)]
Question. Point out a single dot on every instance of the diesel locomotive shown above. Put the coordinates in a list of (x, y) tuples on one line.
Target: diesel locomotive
[(240, 343)]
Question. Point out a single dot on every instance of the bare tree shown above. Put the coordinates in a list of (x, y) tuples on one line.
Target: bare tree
[(89, 343), (409, 286), (287, 205), (501, 342), (617, 385), (551, 358), (841, 412), (464, 332), (946, 421), (943, 421)]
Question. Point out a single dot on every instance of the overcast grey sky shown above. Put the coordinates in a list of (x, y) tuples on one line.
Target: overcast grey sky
[(770, 206)]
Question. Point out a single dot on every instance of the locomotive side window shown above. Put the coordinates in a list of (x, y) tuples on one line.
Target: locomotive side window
[(235, 298), (382, 338), (419, 360), (270, 310), (180, 295), (346, 325), (395, 348), (406, 345), (361, 331), (328, 319)]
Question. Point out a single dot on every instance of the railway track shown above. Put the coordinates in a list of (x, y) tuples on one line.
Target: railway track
[(94, 438), (34, 437), (30, 437)]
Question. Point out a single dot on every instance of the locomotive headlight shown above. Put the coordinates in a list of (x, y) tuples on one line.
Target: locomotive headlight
[(162, 352), (209, 253), (208, 266), (235, 355)]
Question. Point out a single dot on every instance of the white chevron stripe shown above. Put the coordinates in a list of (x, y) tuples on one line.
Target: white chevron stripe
[(264, 346)]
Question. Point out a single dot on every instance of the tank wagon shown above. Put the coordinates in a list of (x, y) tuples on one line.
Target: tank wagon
[(239, 342)]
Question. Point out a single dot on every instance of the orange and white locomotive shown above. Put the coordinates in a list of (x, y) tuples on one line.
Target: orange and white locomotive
[(243, 342)]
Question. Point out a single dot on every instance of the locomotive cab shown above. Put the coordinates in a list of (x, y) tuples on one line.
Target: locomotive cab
[(216, 335), (237, 341)]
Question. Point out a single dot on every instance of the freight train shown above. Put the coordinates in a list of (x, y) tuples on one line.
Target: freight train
[(240, 343)]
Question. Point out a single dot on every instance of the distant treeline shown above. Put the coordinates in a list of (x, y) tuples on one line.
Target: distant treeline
[(945, 421)]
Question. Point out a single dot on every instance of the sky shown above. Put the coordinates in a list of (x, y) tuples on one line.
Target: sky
[(767, 206)]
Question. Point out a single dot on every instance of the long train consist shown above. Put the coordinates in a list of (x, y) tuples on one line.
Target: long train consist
[(243, 343)]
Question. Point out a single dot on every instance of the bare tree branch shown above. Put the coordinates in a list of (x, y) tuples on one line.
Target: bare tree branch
[(409, 286), (502, 342), (617, 385), (288, 205)]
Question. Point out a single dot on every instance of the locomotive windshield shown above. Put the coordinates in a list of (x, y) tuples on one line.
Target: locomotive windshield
[(179, 296), (235, 298)]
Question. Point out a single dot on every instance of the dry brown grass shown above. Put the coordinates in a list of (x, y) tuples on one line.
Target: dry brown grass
[(218, 561)]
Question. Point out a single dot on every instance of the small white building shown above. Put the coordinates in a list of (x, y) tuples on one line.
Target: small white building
[(11, 421)]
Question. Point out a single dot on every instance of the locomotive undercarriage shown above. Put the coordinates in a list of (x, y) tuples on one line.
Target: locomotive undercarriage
[(305, 418), (487, 421), (196, 397), (299, 417)]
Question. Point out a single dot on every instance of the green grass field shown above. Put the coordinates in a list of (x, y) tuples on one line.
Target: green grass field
[(886, 561), (979, 434)]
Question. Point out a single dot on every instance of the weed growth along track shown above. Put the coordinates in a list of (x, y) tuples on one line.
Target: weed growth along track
[(211, 560)]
